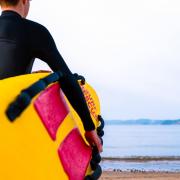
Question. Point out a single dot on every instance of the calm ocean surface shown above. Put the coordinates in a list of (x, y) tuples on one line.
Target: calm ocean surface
[(142, 141)]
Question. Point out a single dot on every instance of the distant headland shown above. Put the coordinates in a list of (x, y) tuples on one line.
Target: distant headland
[(143, 122)]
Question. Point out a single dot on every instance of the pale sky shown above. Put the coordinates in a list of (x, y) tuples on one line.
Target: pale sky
[(128, 50)]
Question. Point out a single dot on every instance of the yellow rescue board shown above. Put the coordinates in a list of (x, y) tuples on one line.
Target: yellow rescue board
[(28, 151)]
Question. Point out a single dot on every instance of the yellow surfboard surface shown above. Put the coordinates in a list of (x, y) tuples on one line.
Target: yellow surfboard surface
[(32, 146)]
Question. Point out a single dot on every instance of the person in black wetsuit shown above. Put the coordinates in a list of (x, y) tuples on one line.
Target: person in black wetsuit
[(21, 41)]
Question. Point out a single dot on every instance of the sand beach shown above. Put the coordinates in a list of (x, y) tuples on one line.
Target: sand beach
[(112, 175)]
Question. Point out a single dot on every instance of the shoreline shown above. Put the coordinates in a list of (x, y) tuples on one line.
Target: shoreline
[(107, 175), (141, 164), (142, 158)]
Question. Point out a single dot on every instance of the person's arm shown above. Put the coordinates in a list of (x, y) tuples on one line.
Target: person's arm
[(48, 52)]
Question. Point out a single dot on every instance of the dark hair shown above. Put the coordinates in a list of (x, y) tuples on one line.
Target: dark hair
[(9, 2)]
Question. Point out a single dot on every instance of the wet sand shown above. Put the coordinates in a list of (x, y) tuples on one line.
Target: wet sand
[(111, 175), (142, 158)]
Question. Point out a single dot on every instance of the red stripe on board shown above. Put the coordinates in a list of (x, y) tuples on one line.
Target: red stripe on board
[(75, 155), (52, 108)]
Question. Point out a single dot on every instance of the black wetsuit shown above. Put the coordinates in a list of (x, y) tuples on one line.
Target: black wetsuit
[(21, 41)]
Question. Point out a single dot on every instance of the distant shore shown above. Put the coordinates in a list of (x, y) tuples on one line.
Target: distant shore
[(143, 122), (107, 175)]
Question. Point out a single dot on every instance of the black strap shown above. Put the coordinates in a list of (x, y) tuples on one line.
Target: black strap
[(96, 174), (22, 101), (81, 78), (101, 127)]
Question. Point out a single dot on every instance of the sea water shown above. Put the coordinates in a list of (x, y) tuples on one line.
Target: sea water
[(138, 141)]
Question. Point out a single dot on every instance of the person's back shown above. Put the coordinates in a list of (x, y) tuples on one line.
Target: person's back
[(15, 58), (21, 41)]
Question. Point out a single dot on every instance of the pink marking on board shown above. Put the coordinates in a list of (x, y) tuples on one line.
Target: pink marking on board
[(75, 155), (52, 108)]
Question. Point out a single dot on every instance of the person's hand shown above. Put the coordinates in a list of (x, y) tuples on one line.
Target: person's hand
[(93, 139)]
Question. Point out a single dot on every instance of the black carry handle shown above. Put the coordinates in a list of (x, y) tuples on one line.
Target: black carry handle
[(81, 78), (96, 174), (23, 100)]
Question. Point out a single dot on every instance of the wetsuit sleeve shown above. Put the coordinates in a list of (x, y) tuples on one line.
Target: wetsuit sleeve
[(47, 51)]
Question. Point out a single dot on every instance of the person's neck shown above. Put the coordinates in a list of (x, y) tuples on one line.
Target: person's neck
[(16, 9)]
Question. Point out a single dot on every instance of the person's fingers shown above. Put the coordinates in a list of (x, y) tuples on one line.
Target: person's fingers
[(94, 140), (89, 141), (99, 145)]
